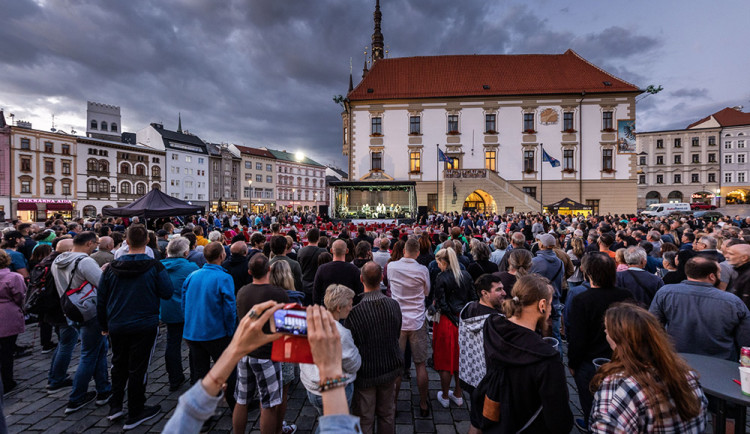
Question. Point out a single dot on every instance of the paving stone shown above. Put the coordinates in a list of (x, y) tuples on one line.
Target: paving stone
[(424, 425), (404, 429), (445, 429)]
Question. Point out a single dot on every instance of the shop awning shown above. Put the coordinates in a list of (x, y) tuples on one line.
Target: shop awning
[(59, 207), (25, 206)]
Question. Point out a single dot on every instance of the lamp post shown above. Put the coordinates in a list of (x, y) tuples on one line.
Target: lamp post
[(250, 186), (293, 191)]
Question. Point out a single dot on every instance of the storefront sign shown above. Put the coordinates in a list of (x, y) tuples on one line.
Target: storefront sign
[(44, 201)]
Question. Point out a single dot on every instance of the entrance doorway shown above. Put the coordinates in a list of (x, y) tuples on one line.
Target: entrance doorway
[(479, 201)]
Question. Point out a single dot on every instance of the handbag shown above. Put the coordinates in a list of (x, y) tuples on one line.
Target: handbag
[(79, 304), (471, 364)]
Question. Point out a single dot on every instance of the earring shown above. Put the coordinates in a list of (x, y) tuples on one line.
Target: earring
[(544, 311)]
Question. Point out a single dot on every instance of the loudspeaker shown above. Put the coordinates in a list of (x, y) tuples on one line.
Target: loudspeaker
[(422, 210), (323, 209)]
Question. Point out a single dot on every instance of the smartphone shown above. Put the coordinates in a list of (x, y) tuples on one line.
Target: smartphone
[(290, 321)]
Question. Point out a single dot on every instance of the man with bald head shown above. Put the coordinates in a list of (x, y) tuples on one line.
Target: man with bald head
[(700, 318), (104, 255), (337, 272), (236, 265), (738, 256)]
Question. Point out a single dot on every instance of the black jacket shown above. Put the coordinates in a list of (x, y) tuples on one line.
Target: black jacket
[(741, 283), (533, 375), (236, 266), (478, 268), (450, 298)]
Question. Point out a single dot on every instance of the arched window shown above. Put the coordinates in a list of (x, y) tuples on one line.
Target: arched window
[(125, 188), (91, 186), (155, 172), (125, 168), (104, 126), (91, 164), (140, 189), (155, 187), (103, 166), (103, 186), (93, 124), (140, 170), (675, 196), (89, 211), (113, 127)]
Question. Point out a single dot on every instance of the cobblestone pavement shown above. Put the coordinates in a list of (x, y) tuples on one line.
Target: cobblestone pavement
[(30, 409)]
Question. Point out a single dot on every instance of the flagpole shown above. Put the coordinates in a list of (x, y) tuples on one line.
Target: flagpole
[(541, 188), (437, 177)]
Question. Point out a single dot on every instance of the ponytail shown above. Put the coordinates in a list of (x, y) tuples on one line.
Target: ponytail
[(528, 290), (449, 256)]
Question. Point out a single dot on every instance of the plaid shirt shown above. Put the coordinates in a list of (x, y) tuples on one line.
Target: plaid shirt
[(620, 406)]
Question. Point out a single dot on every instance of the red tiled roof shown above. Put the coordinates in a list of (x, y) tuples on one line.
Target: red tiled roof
[(255, 151), (727, 117), (467, 75)]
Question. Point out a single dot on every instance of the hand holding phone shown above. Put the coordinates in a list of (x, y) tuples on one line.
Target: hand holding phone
[(290, 322)]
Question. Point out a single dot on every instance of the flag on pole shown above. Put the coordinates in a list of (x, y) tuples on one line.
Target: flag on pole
[(546, 158), (443, 157)]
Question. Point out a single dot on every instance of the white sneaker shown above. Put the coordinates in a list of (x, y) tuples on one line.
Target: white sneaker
[(458, 401), (444, 402)]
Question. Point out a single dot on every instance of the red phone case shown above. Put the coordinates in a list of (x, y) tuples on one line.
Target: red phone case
[(292, 349)]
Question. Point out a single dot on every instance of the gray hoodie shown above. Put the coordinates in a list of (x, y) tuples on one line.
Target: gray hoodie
[(62, 267)]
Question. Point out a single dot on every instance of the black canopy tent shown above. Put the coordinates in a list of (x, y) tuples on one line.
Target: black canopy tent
[(155, 204), (568, 206)]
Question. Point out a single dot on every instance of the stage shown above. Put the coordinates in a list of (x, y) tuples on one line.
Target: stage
[(373, 201)]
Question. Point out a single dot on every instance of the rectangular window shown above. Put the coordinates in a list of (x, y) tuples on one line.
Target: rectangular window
[(695, 178), (66, 168), (216, 165), (490, 160), (452, 123), (607, 159), (201, 161), (528, 161), (660, 179), (659, 144), (696, 142), (741, 158), (678, 159), (25, 186), (677, 143), (568, 159), (568, 121), (728, 159), (728, 145), (49, 148), (711, 140), (528, 122), (269, 168), (188, 159), (711, 158), (696, 158), (377, 126), (659, 160), (25, 144), (740, 144), (641, 179), (258, 166), (415, 162), (607, 120), (454, 165), (740, 176), (26, 164), (677, 178), (490, 123), (711, 177), (642, 161), (259, 178), (66, 190), (248, 165), (727, 177), (175, 156), (49, 166), (269, 179), (49, 187), (531, 191), (377, 160), (594, 204), (65, 149), (415, 125)]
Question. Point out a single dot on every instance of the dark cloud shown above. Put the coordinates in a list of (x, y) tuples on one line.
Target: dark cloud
[(259, 72), (690, 93)]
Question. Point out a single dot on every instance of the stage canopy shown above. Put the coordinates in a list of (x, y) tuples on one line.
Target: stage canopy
[(568, 206), (155, 204)]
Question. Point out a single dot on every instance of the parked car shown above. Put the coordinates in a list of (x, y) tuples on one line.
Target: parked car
[(665, 209), (701, 205), (708, 216)]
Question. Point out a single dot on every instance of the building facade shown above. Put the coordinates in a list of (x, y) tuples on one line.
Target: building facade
[(113, 174), (186, 166), (492, 117), (103, 121), (678, 166), (5, 174), (224, 177), (301, 182), (43, 177), (258, 179)]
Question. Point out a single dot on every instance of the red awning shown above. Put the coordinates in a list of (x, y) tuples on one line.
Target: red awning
[(25, 206), (59, 206)]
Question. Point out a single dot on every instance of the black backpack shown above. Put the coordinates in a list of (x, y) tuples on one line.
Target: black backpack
[(41, 295), (491, 404)]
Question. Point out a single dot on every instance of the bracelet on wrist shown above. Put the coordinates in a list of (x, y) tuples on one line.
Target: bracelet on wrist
[(216, 382), (332, 383)]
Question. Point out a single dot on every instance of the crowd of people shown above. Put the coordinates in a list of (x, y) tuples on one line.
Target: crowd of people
[(491, 302)]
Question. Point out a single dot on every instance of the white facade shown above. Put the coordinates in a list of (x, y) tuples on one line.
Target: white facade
[(301, 184), (103, 121), (735, 150)]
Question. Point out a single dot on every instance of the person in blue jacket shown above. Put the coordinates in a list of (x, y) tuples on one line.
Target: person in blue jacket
[(178, 268), (210, 311)]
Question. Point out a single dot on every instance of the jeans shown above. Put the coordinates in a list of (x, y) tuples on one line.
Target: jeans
[(173, 353), (58, 370), (555, 324), (45, 333), (583, 376), (93, 362), (317, 400)]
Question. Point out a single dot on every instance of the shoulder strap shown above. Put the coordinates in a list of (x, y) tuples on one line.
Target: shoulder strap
[(533, 418), (73, 273)]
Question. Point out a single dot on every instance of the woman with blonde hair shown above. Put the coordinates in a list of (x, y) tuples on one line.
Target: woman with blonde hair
[(525, 389), (453, 289), (646, 387)]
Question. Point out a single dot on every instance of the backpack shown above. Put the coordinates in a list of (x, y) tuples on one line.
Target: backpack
[(491, 402), (79, 304), (41, 295)]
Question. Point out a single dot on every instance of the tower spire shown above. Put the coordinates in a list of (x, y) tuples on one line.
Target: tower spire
[(377, 36), (179, 122)]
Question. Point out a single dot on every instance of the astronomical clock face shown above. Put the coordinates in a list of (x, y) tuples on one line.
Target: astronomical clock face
[(549, 116)]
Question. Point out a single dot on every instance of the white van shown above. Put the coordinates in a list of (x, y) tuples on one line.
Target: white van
[(665, 209)]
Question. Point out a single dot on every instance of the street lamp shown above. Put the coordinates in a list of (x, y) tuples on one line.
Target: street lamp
[(293, 190), (250, 193), (299, 156)]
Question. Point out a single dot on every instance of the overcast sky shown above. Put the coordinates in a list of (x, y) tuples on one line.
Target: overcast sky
[(263, 72)]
